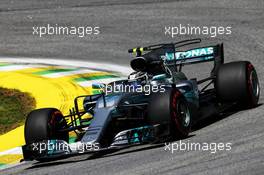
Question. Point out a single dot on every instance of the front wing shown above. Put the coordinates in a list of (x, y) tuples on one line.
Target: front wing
[(57, 149)]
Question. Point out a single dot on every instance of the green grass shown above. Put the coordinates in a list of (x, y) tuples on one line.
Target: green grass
[(14, 107)]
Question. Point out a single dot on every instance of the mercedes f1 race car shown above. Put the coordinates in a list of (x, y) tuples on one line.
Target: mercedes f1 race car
[(156, 102)]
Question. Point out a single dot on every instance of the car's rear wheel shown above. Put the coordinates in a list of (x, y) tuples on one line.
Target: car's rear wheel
[(238, 82), (170, 107), (44, 124)]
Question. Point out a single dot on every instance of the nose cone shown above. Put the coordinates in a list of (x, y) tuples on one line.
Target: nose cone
[(96, 132)]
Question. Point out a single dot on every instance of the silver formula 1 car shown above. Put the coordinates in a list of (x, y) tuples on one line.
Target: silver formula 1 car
[(154, 103)]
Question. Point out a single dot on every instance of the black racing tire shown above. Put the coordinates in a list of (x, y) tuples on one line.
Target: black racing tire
[(170, 107), (238, 82), (43, 124)]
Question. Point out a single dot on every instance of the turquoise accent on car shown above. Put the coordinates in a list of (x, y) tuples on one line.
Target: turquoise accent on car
[(205, 53), (159, 77)]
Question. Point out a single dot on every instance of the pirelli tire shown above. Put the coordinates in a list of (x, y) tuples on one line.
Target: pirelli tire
[(238, 82), (170, 107), (44, 124)]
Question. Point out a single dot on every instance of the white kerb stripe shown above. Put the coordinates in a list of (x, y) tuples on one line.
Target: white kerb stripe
[(77, 63), (18, 67), (17, 150)]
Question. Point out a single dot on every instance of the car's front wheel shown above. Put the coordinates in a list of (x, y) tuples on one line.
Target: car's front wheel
[(44, 124)]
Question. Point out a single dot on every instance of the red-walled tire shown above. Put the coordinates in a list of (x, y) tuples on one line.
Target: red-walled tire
[(43, 124), (238, 82), (170, 107)]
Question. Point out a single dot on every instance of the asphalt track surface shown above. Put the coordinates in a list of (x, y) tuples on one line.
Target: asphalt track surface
[(125, 24)]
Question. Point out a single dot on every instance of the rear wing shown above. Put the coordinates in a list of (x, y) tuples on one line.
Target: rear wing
[(196, 55), (170, 54)]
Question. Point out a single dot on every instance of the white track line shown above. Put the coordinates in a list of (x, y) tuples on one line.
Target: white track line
[(85, 64), (8, 68)]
